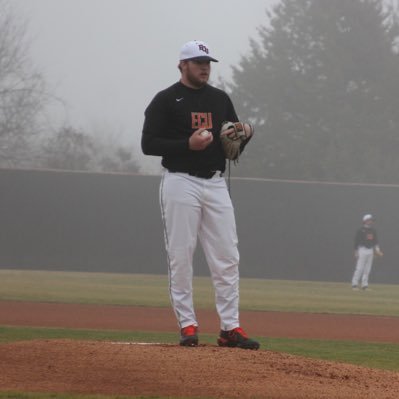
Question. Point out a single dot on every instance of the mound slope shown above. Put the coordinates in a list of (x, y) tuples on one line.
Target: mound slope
[(170, 370)]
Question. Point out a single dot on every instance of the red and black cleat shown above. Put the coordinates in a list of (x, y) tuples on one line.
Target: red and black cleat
[(237, 338), (188, 336)]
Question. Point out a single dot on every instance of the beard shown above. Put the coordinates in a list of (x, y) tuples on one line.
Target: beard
[(197, 80)]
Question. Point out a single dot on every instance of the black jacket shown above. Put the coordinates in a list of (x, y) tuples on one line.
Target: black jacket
[(172, 117), (366, 237)]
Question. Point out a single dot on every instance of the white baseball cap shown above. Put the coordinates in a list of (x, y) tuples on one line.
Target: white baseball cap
[(196, 50), (367, 217)]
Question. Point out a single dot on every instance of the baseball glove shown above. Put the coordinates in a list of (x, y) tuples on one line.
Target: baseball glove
[(232, 136)]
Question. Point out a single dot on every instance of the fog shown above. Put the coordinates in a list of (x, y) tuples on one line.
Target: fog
[(306, 231), (106, 59)]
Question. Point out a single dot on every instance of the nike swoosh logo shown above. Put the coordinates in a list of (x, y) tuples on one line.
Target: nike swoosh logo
[(179, 99)]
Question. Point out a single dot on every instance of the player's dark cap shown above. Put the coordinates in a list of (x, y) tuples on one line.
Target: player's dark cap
[(196, 50)]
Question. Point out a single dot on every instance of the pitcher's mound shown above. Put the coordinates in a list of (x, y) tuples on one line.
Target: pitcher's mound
[(172, 371)]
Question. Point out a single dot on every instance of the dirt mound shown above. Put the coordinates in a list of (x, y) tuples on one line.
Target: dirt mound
[(170, 370)]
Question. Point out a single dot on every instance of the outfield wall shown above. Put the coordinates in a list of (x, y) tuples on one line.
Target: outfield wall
[(111, 223)]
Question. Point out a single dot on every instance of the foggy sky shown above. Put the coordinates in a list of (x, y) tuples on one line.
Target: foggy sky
[(108, 58)]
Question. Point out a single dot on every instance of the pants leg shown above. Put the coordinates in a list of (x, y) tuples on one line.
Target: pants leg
[(181, 214), (219, 241), (368, 263), (193, 207), (363, 266), (358, 270)]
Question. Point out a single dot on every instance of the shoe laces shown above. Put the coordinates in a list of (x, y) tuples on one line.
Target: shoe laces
[(189, 330)]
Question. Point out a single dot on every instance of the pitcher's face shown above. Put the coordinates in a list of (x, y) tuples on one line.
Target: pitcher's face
[(195, 74)]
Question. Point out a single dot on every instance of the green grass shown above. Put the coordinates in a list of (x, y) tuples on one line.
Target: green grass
[(152, 290), (90, 288), (374, 355), (12, 334)]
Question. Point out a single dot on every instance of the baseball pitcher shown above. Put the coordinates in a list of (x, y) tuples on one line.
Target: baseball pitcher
[(185, 125)]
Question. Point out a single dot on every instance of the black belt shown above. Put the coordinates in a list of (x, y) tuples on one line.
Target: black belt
[(204, 174)]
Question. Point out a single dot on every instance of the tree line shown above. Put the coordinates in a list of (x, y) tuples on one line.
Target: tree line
[(27, 137), (320, 83)]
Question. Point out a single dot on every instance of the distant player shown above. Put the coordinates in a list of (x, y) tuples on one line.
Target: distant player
[(366, 246), (182, 125)]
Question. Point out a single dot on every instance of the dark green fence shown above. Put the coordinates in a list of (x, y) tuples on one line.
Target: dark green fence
[(112, 223)]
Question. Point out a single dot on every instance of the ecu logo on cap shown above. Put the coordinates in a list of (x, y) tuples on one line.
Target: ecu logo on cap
[(203, 48)]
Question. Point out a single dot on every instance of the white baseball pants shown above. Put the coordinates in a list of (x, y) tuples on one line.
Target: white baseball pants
[(194, 208), (363, 266)]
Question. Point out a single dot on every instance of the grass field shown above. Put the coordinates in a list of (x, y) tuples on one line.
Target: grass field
[(150, 290)]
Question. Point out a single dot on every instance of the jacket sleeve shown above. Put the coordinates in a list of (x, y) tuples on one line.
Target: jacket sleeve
[(156, 138)]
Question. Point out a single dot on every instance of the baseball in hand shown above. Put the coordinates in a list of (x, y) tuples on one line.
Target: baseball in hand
[(205, 133)]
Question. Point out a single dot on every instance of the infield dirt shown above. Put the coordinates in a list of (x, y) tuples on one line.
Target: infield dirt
[(172, 371)]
